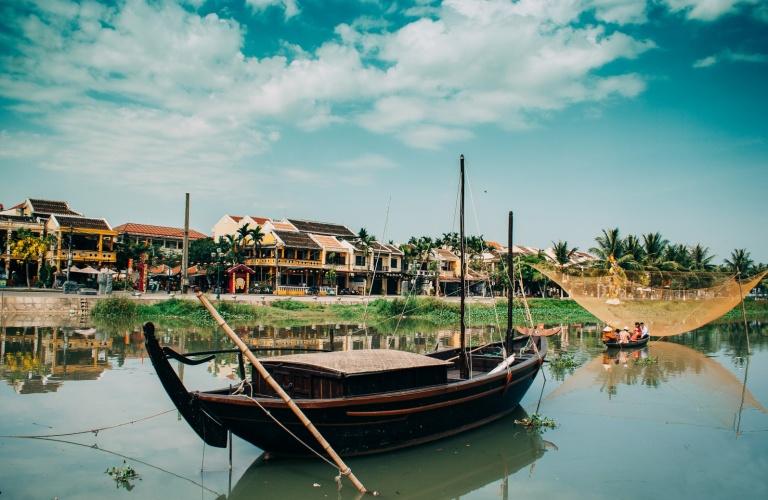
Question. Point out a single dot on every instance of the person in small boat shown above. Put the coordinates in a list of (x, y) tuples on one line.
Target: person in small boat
[(636, 333), (624, 335), (609, 335), (644, 330)]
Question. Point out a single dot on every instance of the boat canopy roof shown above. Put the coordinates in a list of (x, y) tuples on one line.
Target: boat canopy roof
[(358, 361)]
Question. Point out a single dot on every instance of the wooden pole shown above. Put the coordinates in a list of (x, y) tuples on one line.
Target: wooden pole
[(743, 312), (345, 471), (185, 248), (463, 360), (511, 292)]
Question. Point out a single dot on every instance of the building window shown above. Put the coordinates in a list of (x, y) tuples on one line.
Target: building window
[(359, 260), (393, 263)]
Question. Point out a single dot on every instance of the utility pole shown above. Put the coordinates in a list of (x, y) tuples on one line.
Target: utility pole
[(185, 251)]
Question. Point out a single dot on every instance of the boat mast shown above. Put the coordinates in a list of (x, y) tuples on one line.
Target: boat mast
[(463, 365), (511, 291)]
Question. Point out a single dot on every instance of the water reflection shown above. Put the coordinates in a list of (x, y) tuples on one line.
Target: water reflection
[(711, 393), (449, 468)]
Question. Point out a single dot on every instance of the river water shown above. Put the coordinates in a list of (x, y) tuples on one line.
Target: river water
[(672, 420)]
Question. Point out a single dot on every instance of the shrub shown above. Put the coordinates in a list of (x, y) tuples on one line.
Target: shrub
[(289, 305), (115, 307)]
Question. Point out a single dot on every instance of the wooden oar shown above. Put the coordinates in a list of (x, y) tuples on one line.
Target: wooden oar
[(345, 471)]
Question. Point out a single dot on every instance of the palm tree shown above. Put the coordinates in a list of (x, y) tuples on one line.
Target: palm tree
[(740, 262), (609, 246), (653, 246), (365, 241), (633, 249), (232, 245), (562, 252), (256, 237), (451, 241), (700, 258), (676, 257)]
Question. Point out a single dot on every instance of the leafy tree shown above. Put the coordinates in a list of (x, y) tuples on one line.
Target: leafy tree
[(126, 250), (200, 251), (653, 246), (609, 246), (562, 252), (700, 258), (739, 262), (676, 257), (29, 248), (633, 250)]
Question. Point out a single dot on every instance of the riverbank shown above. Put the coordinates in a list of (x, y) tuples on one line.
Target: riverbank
[(433, 310)]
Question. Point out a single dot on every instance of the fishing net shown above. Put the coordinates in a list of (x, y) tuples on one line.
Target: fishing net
[(669, 303)]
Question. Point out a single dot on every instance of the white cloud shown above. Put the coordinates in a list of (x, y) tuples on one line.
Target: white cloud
[(143, 88), (706, 10), (620, 11), (728, 55), (291, 7)]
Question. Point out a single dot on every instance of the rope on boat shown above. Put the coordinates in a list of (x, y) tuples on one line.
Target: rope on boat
[(241, 391), (89, 431)]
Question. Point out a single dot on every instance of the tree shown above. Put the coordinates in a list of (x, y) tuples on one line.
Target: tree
[(365, 241), (127, 250), (633, 250), (562, 252), (609, 246), (29, 248), (200, 251), (700, 258), (653, 246), (676, 257), (740, 262), (256, 237)]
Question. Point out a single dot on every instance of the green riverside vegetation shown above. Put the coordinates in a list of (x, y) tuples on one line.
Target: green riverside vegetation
[(428, 309)]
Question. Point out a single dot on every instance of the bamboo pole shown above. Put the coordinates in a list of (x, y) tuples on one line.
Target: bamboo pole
[(345, 471)]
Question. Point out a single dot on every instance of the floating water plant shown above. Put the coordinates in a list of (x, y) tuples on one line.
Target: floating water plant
[(537, 423), (123, 475), (649, 361)]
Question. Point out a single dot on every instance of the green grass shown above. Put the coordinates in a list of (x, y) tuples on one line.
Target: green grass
[(420, 309)]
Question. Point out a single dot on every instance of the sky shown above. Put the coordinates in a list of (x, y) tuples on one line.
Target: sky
[(579, 115)]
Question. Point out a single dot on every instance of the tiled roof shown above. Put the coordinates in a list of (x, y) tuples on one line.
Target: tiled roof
[(17, 218), (329, 243), (259, 220), (445, 254), (321, 228), (294, 239), (162, 231), (495, 245), (51, 207), (283, 226), (236, 218), (82, 222)]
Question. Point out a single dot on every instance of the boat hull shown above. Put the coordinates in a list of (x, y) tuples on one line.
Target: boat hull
[(372, 424), (628, 345)]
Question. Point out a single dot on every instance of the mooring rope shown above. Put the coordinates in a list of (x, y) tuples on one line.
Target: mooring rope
[(89, 431)]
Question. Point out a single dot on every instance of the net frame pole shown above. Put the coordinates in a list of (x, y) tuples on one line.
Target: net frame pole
[(343, 469), (744, 313)]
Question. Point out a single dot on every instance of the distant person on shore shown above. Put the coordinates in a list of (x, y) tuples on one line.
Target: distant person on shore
[(624, 336), (609, 335)]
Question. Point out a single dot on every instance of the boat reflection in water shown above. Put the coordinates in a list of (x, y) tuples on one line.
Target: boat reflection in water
[(451, 467), (694, 388)]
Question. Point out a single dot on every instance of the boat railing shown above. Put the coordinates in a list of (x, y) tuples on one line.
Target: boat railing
[(187, 357)]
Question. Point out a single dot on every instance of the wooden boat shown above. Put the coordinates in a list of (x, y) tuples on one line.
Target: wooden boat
[(364, 401), (629, 345)]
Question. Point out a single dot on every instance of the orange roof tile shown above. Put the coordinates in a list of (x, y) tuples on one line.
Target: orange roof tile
[(236, 218), (161, 231), (328, 242), (283, 226), (259, 220)]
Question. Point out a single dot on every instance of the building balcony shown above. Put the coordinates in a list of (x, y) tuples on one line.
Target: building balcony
[(299, 263), (260, 261), (90, 256)]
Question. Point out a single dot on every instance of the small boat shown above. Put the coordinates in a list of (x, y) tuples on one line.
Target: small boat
[(362, 401), (628, 345)]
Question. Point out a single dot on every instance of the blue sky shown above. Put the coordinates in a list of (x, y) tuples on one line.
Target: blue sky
[(577, 114)]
